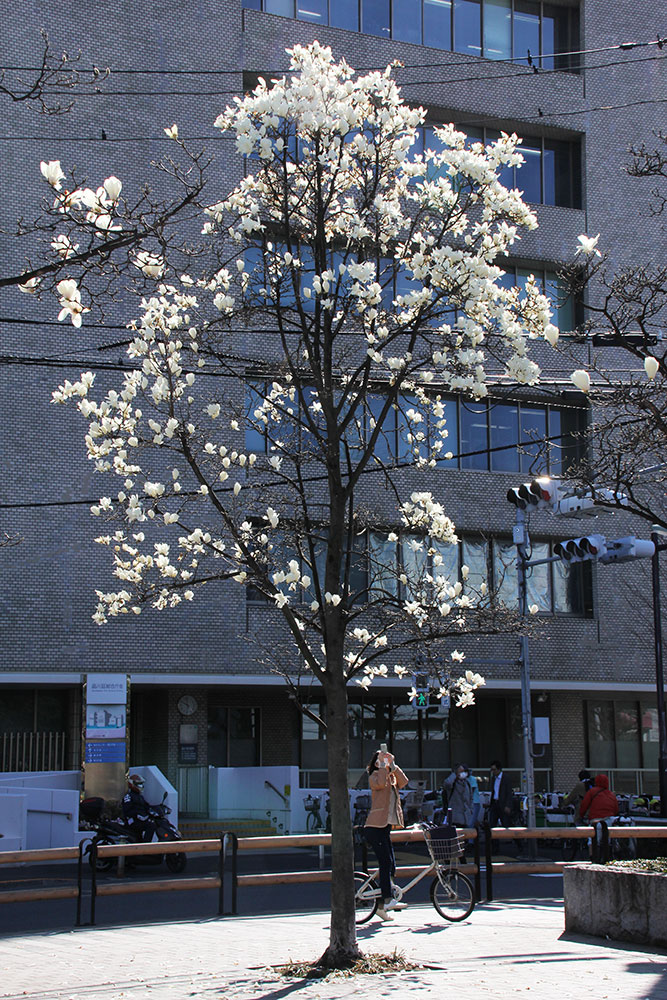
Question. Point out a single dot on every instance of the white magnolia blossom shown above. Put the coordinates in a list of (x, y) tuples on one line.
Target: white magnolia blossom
[(52, 173), (30, 286), (438, 227), (588, 245), (152, 264), (581, 379), (651, 366)]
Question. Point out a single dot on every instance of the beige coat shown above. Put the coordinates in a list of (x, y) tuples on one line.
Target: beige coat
[(384, 784)]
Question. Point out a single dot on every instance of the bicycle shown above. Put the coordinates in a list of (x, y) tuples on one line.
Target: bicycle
[(451, 892), (314, 818)]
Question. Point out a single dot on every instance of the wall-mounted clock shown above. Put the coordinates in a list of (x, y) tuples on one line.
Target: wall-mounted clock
[(187, 704)]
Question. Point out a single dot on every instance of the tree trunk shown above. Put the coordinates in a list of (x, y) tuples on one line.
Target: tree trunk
[(343, 949)]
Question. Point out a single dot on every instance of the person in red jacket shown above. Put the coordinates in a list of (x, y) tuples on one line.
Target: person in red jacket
[(598, 802)]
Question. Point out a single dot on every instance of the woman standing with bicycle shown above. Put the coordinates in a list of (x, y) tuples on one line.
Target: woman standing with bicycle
[(385, 779)]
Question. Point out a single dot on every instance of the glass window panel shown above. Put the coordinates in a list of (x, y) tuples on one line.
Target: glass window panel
[(243, 737), (438, 23), (312, 10), (529, 173), (505, 581), (570, 423), (650, 735), (385, 445), (406, 427), (406, 21), (559, 183), (405, 727), (562, 304), (344, 14), (526, 26), (51, 711), (17, 711), (375, 17), (446, 561), (468, 27), (626, 719), (533, 427), (498, 29), (311, 730), (601, 745), (253, 4), (255, 430), (382, 558), (449, 434), (414, 561), (432, 142), (548, 37), (504, 426), (474, 435), (386, 280), (473, 135), (217, 735), (562, 584), (538, 579), (475, 555), (284, 7)]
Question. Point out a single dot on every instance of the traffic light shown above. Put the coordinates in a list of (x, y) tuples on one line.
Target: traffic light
[(580, 549), (625, 549), (541, 492), (422, 689)]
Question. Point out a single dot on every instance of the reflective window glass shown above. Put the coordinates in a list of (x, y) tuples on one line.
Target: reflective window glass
[(468, 27), (414, 563), (409, 427), (548, 37), (312, 10), (504, 425), (533, 428), (475, 555), (438, 23), (529, 173), (526, 31), (650, 735), (375, 17), (284, 7), (253, 4), (505, 581), (498, 29), (383, 565), (255, 431), (626, 723), (449, 434), (600, 719), (538, 579), (406, 22), (445, 561), (344, 14), (385, 446), (562, 303), (474, 435)]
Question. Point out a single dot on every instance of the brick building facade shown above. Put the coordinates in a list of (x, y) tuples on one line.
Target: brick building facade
[(592, 668)]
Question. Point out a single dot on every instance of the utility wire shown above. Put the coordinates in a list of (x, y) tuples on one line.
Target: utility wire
[(114, 71)]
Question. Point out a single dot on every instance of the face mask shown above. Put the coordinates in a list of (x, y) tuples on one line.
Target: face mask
[(463, 774)]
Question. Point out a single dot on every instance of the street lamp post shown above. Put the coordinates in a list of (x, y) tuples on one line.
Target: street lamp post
[(521, 541)]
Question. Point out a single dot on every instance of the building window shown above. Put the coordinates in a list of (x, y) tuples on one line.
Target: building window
[(621, 734), (549, 175), (527, 32), (233, 736)]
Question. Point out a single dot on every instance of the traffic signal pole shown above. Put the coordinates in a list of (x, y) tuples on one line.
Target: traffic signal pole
[(521, 541), (660, 545)]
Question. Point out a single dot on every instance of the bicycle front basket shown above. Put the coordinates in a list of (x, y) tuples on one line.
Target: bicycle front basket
[(444, 844)]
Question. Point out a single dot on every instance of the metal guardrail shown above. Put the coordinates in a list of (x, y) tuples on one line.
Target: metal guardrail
[(228, 845)]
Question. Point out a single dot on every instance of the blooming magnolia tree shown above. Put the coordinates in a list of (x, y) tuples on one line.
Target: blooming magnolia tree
[(283, 413)]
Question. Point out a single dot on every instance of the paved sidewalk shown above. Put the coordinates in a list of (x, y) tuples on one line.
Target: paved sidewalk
[(502, 950)]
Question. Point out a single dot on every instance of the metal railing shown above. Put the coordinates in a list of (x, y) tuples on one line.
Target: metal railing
[(32, 751)]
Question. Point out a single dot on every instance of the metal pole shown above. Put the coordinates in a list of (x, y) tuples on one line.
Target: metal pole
[(659, 676), (520, 539)]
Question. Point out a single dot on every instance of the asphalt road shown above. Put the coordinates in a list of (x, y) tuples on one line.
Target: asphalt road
[(51, 915)]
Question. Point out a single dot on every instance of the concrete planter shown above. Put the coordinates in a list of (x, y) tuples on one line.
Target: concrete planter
[(619, 904)]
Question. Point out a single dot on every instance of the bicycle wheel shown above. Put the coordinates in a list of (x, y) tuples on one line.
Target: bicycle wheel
[(102, 864), (366, 897), (313, 822), (453, 896)]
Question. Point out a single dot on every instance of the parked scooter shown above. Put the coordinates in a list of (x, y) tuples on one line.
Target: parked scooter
[(112, 831)]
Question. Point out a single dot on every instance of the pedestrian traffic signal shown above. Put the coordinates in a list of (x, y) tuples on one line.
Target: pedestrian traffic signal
[(422, 690), (541, 492), (588, 547)]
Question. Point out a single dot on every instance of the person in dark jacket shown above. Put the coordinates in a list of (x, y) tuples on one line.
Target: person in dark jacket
[(136, 810), (598, 802), (500, 806)]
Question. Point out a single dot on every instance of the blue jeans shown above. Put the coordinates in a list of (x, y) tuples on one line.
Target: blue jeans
[(379, 839)]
